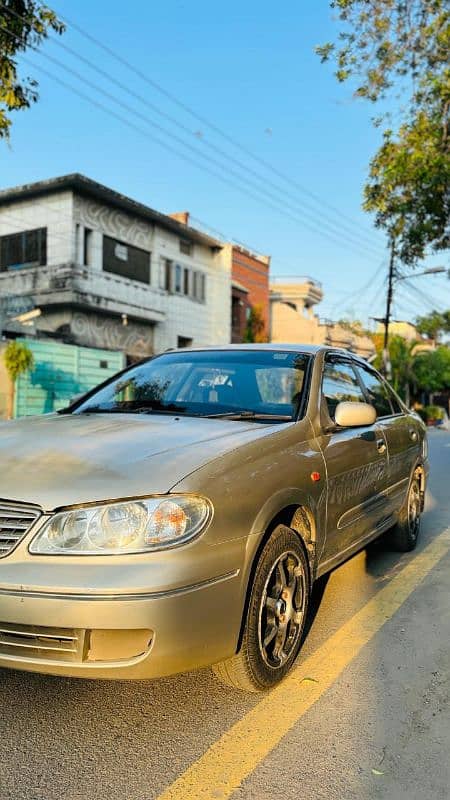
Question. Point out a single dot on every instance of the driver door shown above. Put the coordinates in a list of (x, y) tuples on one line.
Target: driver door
[(357, 466)]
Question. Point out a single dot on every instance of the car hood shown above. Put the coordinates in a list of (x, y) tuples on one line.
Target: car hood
[(58, 460)]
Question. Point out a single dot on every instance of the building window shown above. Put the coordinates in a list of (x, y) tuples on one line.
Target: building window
[(186, 247), (165, 275), (199, 286), (87, 247), (202, 297), (126, 260), (184, 341), (178, 278), (25, 249), (186, 281)]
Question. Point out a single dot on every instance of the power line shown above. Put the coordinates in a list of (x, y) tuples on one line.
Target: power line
[(361, 290), (200, 118), (322, 230), (356, 236), (243, 189)]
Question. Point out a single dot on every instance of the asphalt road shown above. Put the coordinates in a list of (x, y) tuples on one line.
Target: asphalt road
[(367, 716)]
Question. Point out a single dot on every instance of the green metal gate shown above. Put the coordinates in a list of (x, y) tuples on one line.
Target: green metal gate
[(61, 371)]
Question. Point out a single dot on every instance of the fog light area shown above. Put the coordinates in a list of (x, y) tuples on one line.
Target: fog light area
[(117, 645)]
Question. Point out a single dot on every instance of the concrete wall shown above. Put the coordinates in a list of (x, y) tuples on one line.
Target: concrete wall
[(291, 326), (54, 212), (92, 302)]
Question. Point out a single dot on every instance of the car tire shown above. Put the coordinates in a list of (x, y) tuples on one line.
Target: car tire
[(404, 535), (276, 616)]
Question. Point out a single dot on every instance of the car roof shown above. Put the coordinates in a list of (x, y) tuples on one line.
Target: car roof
[(308, 349)]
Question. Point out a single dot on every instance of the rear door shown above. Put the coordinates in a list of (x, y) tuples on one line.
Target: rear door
[(400, 431), (356, 460)]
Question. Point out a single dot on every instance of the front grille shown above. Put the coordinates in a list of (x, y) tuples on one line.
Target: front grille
[(33, 641), (15, 522)]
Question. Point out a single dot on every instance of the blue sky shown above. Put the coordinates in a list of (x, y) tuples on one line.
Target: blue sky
[(250, 70)]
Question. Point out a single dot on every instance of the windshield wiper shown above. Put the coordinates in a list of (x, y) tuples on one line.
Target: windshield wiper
[(145, 409), (249, 415)]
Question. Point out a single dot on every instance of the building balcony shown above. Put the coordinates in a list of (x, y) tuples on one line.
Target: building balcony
[(298, 291), (75, 286)]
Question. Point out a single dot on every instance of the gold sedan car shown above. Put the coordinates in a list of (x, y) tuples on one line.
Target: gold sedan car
[(178, 515)]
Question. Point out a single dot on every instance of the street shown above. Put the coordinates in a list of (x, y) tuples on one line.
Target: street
[(377, 726)]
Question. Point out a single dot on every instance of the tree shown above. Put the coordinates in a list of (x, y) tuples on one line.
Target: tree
[(403, 44), (23, 24), (353, 326), (402, 359), (256, 327), (18, 359), (432, 370), (434, 324)]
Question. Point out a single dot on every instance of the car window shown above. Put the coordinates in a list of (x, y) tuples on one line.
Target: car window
[(207, 383), (377, 394), (395, 402), (340, 383)]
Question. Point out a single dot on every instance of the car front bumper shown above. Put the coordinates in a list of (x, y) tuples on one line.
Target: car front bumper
[(124, 636)]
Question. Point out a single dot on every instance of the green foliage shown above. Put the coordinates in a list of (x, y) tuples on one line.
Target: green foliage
[(387, 42), (434, 324), (23, 24), (434, 412), (432, 369), (403, 44), (353, 326), (430, 413), (401, 356), (256, 329), (18, 359), (408, 187)]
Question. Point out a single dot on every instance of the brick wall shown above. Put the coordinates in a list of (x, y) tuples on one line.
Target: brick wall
[(253, 272)]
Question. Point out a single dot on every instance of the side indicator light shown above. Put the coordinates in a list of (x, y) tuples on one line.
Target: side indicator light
[(315, 476)]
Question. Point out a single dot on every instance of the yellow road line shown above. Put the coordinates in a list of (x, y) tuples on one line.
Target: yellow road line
[(239, 750)]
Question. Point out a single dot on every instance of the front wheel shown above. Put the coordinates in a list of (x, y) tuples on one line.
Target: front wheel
[(406, 532), (275, 618)]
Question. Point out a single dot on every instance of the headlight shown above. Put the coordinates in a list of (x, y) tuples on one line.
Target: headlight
[(136, 526)]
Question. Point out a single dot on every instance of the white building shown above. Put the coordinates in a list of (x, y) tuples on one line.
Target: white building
[(108, 272)]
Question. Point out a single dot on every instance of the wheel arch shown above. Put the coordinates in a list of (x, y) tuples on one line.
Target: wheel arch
[(296, 515)]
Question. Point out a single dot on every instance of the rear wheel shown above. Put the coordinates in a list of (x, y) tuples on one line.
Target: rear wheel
[(275, 618), (406, 532)]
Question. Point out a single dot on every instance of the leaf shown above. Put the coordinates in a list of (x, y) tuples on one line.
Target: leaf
[(309, 680), (376, 771)]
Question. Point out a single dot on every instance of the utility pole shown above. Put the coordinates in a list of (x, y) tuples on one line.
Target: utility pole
[(386, 359)]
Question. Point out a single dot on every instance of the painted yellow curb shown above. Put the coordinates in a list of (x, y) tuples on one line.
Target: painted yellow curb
[(223, 767)]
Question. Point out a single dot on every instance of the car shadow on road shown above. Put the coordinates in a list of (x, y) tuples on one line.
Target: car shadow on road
[(315, 601)]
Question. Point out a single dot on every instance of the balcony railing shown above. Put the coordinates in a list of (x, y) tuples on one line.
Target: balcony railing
[(71, 283), (294, 279)]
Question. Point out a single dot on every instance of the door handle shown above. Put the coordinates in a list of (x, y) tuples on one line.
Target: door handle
[(381, 446)]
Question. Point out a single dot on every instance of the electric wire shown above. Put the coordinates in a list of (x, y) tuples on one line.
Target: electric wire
[(354, 235), (212, 126), (312, 225), (243, 189)]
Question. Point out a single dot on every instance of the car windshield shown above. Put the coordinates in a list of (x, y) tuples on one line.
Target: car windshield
[(261, 385)]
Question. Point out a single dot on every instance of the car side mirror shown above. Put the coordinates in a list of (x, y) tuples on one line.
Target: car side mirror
[(353, 415)]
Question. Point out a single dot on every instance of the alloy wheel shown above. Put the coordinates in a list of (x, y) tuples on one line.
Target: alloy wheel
[(414, 507), (282, 610)]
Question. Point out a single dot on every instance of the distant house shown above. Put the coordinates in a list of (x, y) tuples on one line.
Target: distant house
[(108, 272), (292, 301)]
